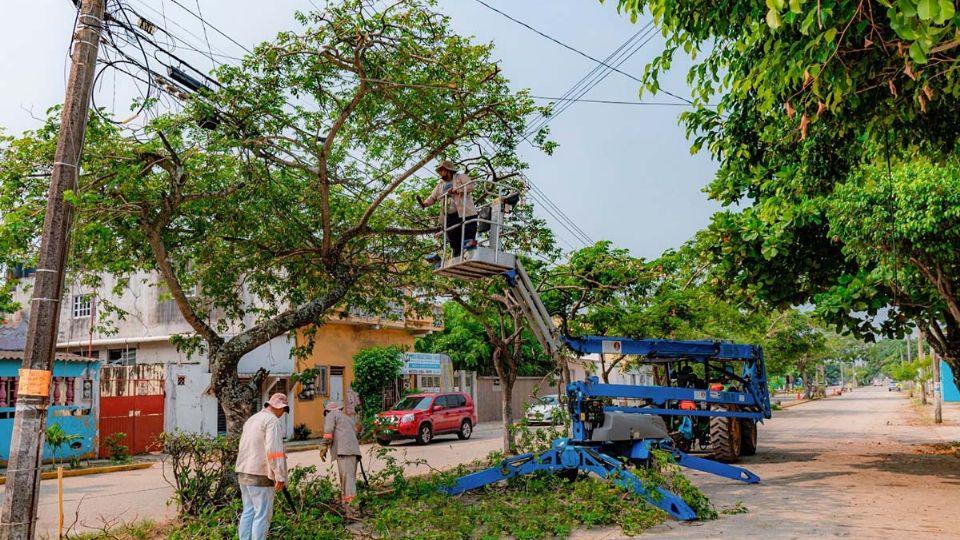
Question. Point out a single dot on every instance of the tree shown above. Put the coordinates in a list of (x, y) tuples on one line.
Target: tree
[(295, 199), (794, 345), (375, 369), (509, 343), (592, 292), (816, 102), (464, 339), (56, 438)]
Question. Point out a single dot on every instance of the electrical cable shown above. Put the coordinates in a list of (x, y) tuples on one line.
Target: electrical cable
[(611, 101), (574, 49), (628, 43), (597, 78), (217, 30), (547, 204), (205, 36)]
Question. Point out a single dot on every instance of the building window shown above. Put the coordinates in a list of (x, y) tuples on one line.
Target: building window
[(430, 383), (122, 357), (316, 386), (323, 380), (82, 306)]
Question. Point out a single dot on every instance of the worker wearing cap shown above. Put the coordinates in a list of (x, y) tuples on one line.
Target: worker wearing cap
[(340, 436), (460, 215), (261, 467)]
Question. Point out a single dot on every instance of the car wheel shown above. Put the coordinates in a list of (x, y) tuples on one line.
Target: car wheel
[(383, 442), (466, 430), (425, 434)]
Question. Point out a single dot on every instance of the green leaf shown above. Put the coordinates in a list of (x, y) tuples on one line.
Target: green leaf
[(795, 6), (830, 34), (907, 7), (928, 9), (916, 52), (773, 19), (947, 11)]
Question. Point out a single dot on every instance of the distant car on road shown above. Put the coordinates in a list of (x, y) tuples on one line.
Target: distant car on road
[(544, 410), (423, 416), (893, 385)]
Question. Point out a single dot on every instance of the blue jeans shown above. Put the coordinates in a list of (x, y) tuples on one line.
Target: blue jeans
[(257, 512)]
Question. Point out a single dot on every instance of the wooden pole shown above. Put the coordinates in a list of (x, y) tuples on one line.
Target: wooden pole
[(60, 501), (19, 511), (937, 397)]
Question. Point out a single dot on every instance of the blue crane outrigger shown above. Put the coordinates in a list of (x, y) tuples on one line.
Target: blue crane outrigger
[(711, 394)]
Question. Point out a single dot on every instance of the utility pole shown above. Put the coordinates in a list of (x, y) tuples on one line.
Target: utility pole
[(937, 398), (19, 512)]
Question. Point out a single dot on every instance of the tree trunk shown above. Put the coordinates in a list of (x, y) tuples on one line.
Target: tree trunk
[(236, 399), (506, 412)]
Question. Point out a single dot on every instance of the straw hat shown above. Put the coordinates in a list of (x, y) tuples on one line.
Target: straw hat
[(278, 401), (448, 165), (334, 406)]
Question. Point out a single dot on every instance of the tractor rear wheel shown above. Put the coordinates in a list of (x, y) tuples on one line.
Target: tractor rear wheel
[(725, 438), (748, 437)]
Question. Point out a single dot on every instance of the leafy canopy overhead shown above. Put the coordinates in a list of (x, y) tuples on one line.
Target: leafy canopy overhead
[(836, 130), (284, 194)]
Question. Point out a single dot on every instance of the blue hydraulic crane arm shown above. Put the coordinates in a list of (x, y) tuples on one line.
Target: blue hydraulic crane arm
[(753, 376), (661, 348)]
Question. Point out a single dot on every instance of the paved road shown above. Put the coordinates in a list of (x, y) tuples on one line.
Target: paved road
[(843, 467), (91, 502)]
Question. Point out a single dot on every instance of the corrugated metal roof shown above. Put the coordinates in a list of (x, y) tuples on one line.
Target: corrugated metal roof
[(63, 357)]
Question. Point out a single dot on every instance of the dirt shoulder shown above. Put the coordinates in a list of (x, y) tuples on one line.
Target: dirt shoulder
[(847, 466)]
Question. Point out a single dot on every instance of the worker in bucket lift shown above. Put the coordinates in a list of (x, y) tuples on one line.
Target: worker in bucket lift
[(460, 209), (340, 435)]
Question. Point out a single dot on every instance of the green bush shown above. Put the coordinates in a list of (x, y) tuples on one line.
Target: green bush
[(374, 370), (394, 506), (202, 466), (116, 449), (301, 432)]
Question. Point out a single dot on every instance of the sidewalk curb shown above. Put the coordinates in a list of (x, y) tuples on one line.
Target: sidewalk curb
[(301, 448), (802, 401), (67, 473)]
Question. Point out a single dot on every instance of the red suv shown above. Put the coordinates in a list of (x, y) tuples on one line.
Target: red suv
[(423, 416)]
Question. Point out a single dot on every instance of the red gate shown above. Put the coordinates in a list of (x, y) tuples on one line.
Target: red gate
[(131, 402)]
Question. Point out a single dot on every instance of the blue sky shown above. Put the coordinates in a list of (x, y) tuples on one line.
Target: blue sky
[(622, 173)]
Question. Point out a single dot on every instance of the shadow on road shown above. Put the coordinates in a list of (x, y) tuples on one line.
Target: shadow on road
[(914, 464)]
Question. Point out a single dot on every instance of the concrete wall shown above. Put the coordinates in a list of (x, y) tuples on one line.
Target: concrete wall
[(525, 390), (188, 405), (335, 344), (950, 391), (275, 356), (79, 417)]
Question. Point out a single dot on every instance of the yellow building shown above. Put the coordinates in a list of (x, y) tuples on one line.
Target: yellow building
[(335, 344)]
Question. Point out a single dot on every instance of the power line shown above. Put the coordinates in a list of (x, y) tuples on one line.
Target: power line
[(613, 101), (204, 22), (598, 74), (597, 68), (547, 205), (576, 50)]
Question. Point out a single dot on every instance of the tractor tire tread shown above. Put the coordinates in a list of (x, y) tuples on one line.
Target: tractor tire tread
[(725, 438)]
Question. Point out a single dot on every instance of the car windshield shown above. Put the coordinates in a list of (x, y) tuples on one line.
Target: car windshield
[(548, 400), (413, 402)]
